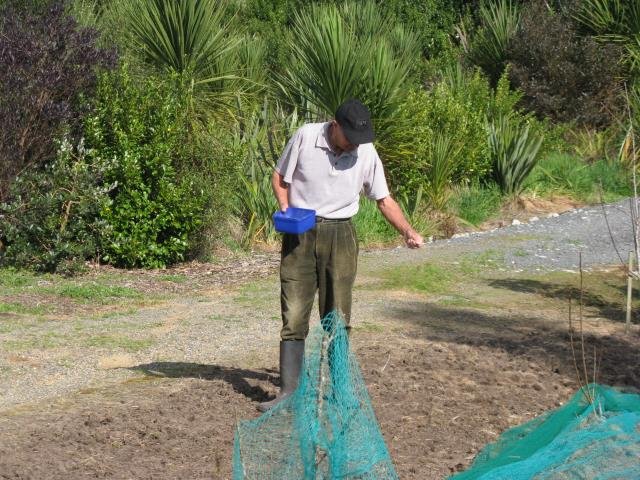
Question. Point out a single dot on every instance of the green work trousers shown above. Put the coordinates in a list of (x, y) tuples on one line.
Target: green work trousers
[(323, 259)]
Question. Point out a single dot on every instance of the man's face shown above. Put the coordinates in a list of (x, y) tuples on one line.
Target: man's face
[(338, 138)]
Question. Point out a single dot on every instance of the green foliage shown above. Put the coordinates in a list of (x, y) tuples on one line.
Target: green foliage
[(614, 21), (264, 134), (348, 51), (138, 131), (215, 169), (270, 20), (454, 110), (499, 23), (566, 174), (181, 36), (514, 152), (374, 229), (432, 20), (193, 39), (591, 145), (257, 203), (476, 203), (52, 223), (444, 159), (371, 226), (564, 76)]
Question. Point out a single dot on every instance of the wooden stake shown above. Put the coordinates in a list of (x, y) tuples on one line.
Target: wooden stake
[(629, 292)]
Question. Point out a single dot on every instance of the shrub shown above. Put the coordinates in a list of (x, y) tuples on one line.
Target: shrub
[(138, 130), (48, 67), (216, 170), (52, 223), (454, 110), (264, 135), (514, 152), (433, 21), (195, 40), (269, 20), (614, 21), (562, 75)]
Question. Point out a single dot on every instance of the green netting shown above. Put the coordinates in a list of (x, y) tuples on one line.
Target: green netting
[(325, 430), (594, 440)]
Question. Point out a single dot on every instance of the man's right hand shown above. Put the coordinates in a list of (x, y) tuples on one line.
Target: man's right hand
[(413, 239)]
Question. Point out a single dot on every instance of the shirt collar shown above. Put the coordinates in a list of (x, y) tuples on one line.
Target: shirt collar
[(322, 141)]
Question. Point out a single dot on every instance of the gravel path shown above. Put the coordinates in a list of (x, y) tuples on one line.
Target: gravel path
[(553, 242), (206, 327)]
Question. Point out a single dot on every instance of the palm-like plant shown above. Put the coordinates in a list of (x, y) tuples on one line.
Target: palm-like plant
[(340, 52), (614, 21), (444, 159), (265, 133), (514, 150), (192, 38), (611, 20), (500, 21)]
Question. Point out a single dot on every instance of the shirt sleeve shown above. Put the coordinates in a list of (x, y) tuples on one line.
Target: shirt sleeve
[(289, 158), (375, 183)]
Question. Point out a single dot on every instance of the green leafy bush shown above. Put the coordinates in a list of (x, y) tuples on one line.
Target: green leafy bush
[(195, 40), (614, 21), (269, 20), (216, 170), (373, 229), (138, 131), (264, 135), (48, 68), (52, 223), (564, 76), (455, 110), (476, 203), (566, 174), (432, 20)]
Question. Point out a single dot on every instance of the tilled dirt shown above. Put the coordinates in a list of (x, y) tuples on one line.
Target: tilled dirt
[(445, 379), (439, 394)]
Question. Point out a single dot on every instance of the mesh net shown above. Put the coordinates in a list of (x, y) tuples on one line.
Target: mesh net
[(326, 429), (597, 439)]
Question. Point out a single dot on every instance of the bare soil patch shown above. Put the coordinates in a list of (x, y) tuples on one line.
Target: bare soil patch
[(444, 381), (451, 361)]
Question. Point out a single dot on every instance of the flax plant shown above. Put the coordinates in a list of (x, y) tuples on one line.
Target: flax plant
[(514, 151), (443, 162), (264, 132), (614, 21), (500, 20), (348, 51)]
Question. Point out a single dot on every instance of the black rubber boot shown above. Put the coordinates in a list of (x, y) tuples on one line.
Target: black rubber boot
[(291, 356)]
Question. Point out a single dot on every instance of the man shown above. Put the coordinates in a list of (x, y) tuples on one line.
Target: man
[(324, 167)]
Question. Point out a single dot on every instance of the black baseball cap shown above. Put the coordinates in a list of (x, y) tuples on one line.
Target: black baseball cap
[(354, 118)]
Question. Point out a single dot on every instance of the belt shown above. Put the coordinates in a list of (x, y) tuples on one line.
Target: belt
[(331, 220)]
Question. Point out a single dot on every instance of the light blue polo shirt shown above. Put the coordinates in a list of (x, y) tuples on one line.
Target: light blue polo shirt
[(328, 183)]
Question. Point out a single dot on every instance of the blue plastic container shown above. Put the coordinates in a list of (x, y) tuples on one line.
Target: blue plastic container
[(294, 220)]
